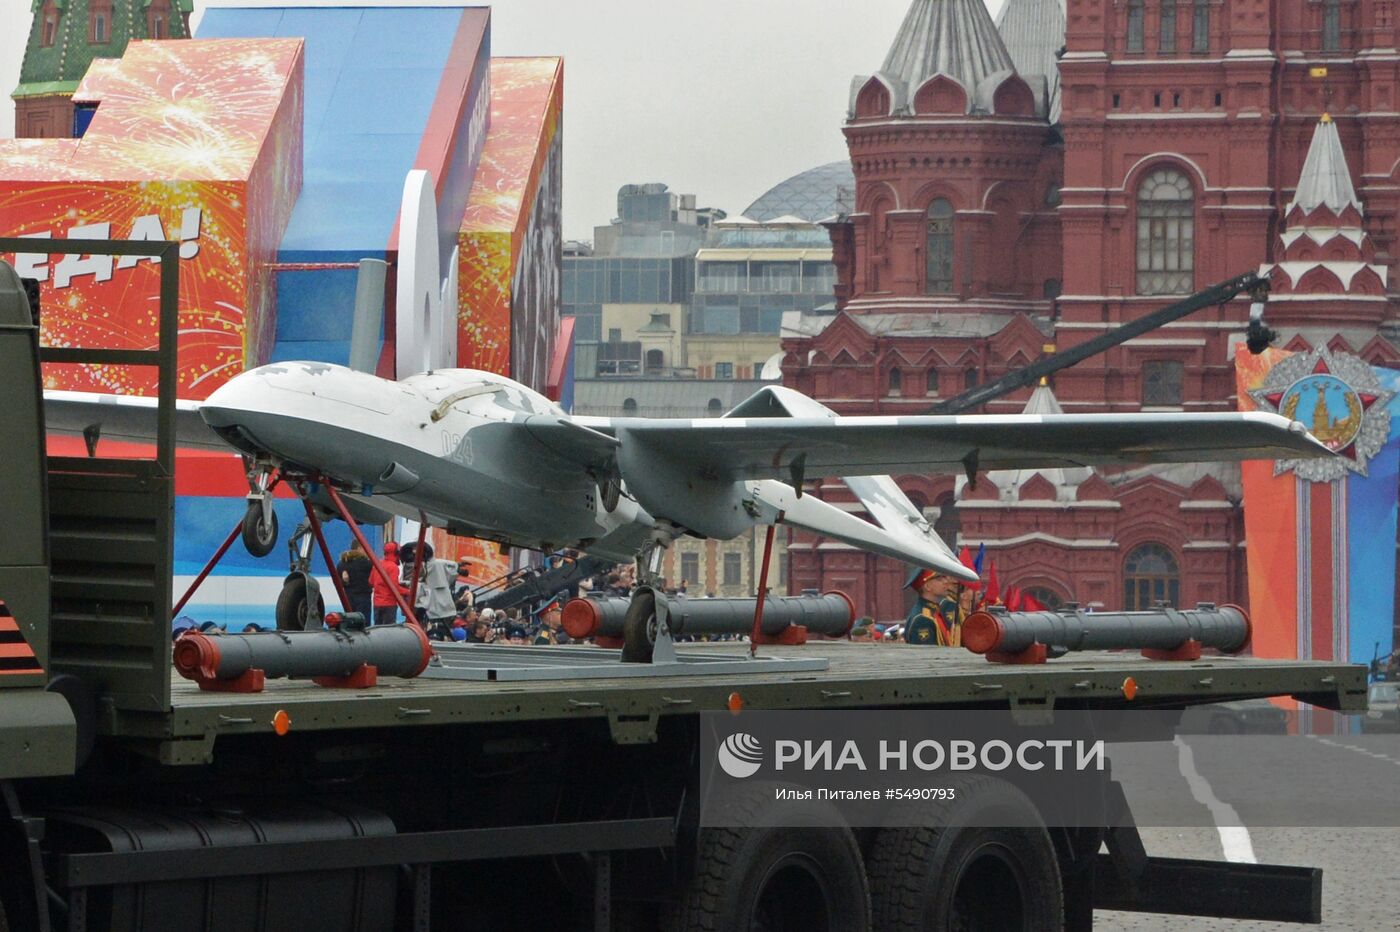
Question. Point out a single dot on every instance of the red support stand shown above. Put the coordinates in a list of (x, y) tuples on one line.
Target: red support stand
[(792, 634), (250, 681), (607, 640), (363, 677), (316, 532), (757, 633), (374, 560), (1189, 649), (208, 568), (1034, 654)]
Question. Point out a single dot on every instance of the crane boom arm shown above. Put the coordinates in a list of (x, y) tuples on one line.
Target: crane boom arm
[(1029, 375)]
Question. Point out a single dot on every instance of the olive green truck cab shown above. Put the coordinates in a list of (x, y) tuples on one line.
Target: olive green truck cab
[(132, 799)]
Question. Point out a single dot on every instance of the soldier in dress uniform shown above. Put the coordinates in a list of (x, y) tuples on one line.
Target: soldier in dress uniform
[(935, 619)]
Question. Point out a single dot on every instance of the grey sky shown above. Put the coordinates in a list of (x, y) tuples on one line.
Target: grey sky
[(719, 98)]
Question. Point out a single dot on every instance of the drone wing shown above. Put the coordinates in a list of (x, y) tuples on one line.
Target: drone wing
[(126, 417), (739, 448)]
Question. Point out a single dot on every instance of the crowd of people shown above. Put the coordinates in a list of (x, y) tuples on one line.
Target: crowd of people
[(444, 600)]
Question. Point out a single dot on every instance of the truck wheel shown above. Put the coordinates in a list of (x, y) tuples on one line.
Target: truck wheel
[(292, 606), (962, 875), (794, 868), (259, 536), (637, 633), (776, 879)]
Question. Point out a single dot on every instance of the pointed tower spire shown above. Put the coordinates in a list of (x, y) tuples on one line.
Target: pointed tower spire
[(1323, 252), (952, 37), (1034, 32), (1326, 179)]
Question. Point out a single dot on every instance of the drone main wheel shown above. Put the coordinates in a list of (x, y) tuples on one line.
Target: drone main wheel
[(639, 629), (259, 535), (293, 607)]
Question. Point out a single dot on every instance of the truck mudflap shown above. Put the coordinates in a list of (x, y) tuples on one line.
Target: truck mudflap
[(1267, 892), (1127, 878), (38, 735)]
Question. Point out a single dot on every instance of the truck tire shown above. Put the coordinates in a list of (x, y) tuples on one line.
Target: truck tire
[(292, 606), (800, 872), (958, 874)]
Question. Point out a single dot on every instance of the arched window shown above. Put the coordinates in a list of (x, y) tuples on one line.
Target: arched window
[(938, 274), (158, 19), (49, 35), (1331, 25), (629, 407), (715, 408), (655, 360), (931, 382), (1135, 27), (896, 381), (1150, 576), (970, 379), (100, 22), (1200, 26), (1046, 596), (1166, 36), (1165, 233)]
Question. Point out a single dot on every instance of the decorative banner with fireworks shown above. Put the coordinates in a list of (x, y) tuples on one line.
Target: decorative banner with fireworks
[(526, 114), (194, 141)]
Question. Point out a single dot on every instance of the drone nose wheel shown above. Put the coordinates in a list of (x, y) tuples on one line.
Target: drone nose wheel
[(259, 529)]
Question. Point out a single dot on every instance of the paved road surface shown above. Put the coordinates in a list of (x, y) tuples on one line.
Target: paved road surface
[(1339, 777)]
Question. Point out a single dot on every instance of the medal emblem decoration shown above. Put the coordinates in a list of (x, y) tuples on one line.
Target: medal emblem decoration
[(1338, 397)]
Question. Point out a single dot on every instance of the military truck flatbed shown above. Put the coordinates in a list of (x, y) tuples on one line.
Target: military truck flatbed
[(859, 676), (132, 799)]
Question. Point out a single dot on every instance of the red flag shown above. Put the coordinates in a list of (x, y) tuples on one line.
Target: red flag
[(965, 558), (1030, 603), (1013, 599), (993, 590)]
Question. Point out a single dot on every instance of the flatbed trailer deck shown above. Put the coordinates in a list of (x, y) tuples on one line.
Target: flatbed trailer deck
[(132, 799), (860, 676)]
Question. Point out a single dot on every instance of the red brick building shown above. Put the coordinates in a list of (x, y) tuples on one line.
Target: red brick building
[(1029, 183)]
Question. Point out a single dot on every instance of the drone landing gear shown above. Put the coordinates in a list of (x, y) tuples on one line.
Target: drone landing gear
[(300, 605), (259, 525)]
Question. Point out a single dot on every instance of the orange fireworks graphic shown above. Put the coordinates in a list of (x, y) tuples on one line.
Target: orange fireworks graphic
[(193, 141), (525, 114)]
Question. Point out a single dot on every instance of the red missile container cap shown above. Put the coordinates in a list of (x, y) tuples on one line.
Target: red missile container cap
[(581, 618), (982, 632), (850, 604), (197, 656)]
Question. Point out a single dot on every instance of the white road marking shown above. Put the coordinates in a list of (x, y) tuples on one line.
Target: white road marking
[(1234, 836), (1375, 755)]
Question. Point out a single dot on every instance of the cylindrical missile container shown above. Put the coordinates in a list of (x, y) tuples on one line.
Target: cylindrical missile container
[(392, 650), (830, 613), (1225, 628)]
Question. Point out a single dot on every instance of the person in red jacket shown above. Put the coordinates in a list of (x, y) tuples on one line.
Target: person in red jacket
[(386, 608)]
